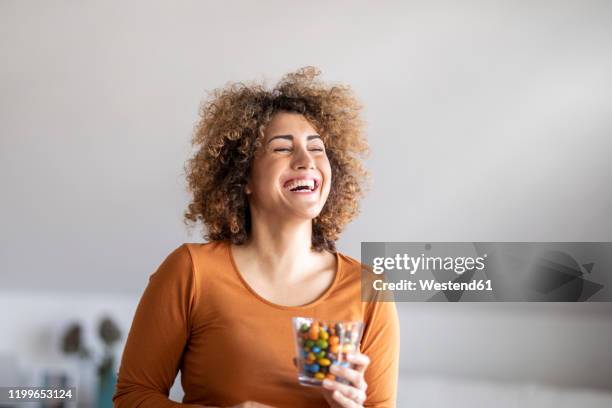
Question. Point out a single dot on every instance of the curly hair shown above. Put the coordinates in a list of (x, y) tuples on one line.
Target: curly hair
[(230, 131)]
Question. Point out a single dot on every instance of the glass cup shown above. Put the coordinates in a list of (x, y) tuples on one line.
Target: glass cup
[(321, 344)]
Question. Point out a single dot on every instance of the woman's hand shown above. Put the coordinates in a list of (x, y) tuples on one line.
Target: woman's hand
[(343, 395)]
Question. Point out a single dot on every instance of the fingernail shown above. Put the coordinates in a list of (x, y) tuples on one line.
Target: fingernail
[(327, 383)]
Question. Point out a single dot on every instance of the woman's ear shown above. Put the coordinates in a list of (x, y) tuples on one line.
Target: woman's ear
[(247, 189)]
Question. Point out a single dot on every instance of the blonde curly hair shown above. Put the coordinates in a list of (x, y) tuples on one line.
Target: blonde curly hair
[(231, 130)]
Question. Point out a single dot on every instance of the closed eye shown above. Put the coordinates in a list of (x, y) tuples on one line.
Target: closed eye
[(286, 150)]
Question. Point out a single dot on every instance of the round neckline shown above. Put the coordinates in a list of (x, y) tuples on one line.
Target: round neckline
[(315, 302)]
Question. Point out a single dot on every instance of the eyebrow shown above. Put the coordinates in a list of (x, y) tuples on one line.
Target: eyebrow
[(290, 137)]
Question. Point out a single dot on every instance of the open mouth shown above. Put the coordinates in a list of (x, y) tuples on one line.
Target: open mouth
[(302, 185)]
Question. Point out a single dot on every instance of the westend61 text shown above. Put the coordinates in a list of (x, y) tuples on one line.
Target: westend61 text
[(431, 284)]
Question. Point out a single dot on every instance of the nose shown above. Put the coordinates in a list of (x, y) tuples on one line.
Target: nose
[(303, 159)]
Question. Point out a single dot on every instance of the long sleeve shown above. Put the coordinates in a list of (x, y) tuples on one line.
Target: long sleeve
[(158, 335), (381, 343)]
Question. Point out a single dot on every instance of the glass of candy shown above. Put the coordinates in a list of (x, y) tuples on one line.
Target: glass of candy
[(320, 344)]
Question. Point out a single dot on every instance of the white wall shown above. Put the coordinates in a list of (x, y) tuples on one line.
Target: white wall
[(558, 344), (488, 121)]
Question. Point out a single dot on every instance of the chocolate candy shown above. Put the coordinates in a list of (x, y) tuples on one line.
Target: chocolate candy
[(324, 362), (323, 345)]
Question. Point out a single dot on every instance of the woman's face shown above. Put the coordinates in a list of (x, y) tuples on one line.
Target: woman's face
[(290, 175)]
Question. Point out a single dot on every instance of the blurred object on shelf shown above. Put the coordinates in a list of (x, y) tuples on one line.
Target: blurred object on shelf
[(110, 334), (73, 345)]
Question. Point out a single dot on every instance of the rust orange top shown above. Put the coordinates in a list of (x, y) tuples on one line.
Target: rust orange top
[(198, 315)]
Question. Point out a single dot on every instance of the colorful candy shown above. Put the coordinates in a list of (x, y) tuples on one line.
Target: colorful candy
[(313, 332), (322, 345), (324, 362)]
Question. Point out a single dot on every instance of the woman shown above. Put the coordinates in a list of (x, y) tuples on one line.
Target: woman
[(275, 179)]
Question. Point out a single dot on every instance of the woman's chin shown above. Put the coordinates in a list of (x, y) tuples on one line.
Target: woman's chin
[(306, 214)]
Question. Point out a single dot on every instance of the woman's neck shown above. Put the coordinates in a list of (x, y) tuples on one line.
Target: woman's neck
[(282, 250)]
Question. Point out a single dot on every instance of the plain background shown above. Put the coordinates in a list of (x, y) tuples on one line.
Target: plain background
[(487, 121)]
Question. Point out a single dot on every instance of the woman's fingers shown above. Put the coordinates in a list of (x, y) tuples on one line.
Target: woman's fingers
[(353, 395), (358, 396), (361, 361), (353, 376), (345, 401)]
